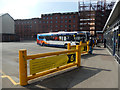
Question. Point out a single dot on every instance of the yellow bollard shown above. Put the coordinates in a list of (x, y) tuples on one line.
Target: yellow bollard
[(78, 55), (80, 42), (87, 46), (68, 46), (23, 67)]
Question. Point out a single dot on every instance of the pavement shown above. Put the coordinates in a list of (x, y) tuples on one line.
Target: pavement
[(99, 70)]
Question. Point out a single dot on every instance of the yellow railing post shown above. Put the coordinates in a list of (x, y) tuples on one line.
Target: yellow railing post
[(87, 46), (80, 43), (68, 46), (23, 67), (78, 55)]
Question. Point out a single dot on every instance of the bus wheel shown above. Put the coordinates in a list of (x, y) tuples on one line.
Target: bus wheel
[(43, 44), (65, 46)]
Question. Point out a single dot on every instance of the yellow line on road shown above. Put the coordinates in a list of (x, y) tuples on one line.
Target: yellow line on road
[(6, 76)]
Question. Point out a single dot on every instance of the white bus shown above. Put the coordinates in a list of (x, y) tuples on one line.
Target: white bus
[(60, 39)]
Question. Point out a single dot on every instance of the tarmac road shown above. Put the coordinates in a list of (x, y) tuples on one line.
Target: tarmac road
[(99, 70), (10, 58)]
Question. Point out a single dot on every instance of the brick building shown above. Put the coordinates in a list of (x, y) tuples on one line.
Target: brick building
[(28, 28), (60, 22)]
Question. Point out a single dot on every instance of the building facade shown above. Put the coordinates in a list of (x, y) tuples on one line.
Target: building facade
[(7, 31), (28, 28), (112, 31), (60, 22)]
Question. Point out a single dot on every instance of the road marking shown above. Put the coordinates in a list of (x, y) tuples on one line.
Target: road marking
[(6, 76), (2, 72)]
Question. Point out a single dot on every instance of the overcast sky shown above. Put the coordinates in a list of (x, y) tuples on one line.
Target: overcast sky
[(25, 9)]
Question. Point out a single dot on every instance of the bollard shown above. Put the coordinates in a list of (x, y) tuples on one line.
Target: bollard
[(78, 55), (23, 67), (80, 43), (68, 46)]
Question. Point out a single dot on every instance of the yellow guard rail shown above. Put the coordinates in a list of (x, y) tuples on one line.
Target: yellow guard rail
[(23, 57), (69, 47)]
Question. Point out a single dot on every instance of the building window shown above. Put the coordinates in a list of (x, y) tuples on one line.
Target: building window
[(61, 17), (51, 26), (56, 17), (47, 21), (40, 21), (56, 26), (50, 17), (61, 21), (43, 21), (65, 21), (30, 26), (66, 26), (43, 17), (81, 28), (69, 26), (47, 17), (66, 17), (61, 26), (73, 25), (73, 21), (35, 22), (50, 21), (69, 16), (56, 21), (69, 21), (73, 16)]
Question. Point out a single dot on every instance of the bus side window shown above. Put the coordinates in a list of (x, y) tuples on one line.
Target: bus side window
[(65, 38), (60, 38), (48, 38), (56, 38), (72, 38), (40, 37)]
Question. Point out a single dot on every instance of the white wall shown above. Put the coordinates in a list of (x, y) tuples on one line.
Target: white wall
[(0, 25), (8, 24)]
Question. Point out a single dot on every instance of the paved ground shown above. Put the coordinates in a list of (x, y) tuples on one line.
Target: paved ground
[(99, 70)]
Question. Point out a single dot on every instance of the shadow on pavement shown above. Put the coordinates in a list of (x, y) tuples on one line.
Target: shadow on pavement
[(98, 49), (86, 56), (67, 79)]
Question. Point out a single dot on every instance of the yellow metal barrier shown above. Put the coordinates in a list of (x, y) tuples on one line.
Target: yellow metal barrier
[(23, 57), (83, 45)]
